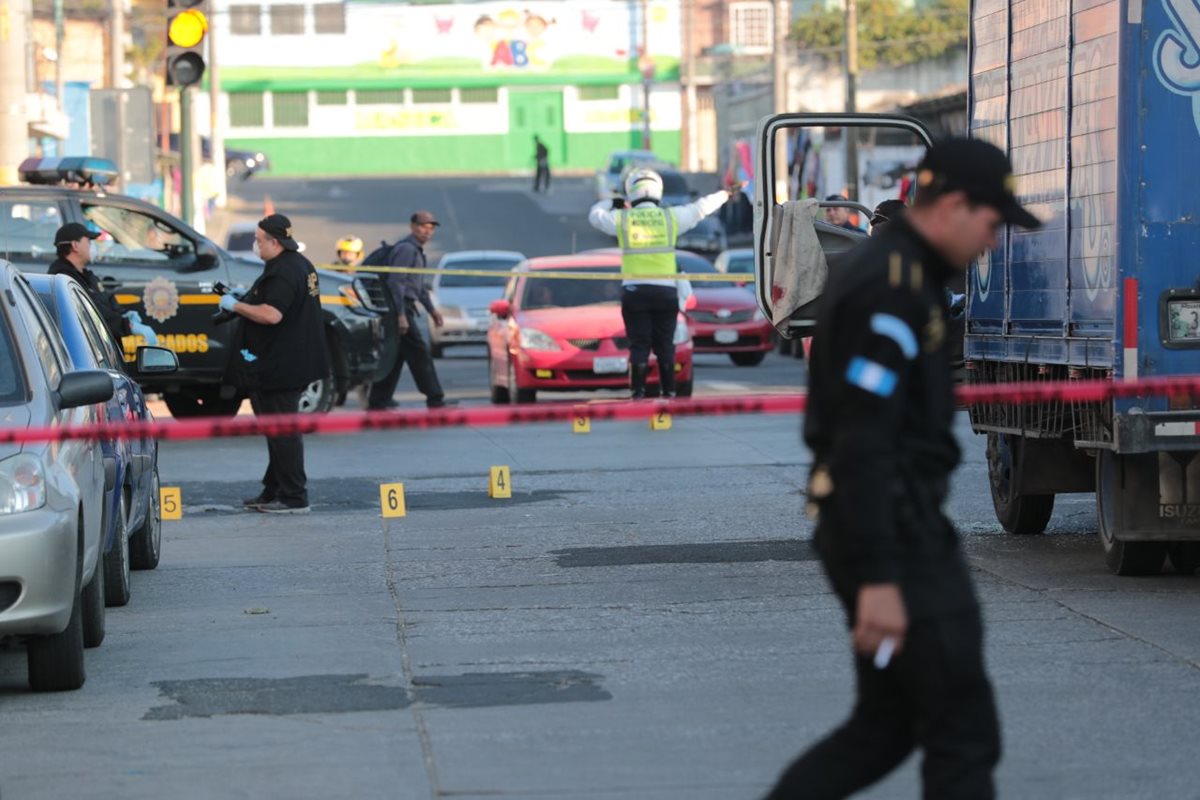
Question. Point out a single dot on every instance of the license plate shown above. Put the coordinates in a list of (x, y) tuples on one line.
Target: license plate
[(610, 366), (725, 336), (1184, 316)]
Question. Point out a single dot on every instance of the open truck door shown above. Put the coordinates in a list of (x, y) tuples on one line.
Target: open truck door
[(798, 234)]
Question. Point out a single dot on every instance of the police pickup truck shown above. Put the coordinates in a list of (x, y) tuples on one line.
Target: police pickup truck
[(162, 268)]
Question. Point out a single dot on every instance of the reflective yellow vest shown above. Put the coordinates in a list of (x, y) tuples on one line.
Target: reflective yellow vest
[(647, 239)]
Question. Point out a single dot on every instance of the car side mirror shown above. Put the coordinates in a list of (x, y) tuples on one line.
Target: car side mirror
[(206, 255), (156, 361), (501, 308), (84, 388)]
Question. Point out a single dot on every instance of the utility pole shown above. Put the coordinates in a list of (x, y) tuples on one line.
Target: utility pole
[(216, 133), (851, 97), (59, 35), (187, 186), (116, 57), (14, 127), (646, 65), (782, 21), (691, 156)]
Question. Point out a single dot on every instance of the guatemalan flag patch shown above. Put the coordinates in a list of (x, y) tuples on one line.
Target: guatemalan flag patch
[(871, 377)]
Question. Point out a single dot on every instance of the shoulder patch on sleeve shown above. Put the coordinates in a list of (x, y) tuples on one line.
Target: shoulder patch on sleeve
[(871, 377), (895, 267), (898, 331)]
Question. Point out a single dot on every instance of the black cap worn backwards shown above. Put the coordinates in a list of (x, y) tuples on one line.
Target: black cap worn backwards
[(73, 232), (886, 211), (979, 169), (279, 227)]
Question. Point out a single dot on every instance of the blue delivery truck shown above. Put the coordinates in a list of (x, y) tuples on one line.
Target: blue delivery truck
[(1097, 103)]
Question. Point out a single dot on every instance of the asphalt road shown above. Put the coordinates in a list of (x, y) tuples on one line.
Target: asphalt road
[(644, 618)]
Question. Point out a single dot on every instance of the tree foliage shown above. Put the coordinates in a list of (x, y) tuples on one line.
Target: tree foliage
[(890, 32)]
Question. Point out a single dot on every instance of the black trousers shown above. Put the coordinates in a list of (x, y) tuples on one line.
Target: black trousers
[(650, 313), (284, 479), (414, 351), (541, 180), (935, 696)]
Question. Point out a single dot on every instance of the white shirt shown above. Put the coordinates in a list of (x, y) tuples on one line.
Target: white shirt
[(605, 218)]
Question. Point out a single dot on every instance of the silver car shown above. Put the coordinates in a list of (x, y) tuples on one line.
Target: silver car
[(51, 495), (463, 300)]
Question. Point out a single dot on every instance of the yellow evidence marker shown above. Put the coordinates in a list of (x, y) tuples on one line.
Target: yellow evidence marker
[(500, 484), (170, 502), (391, 499), (661, 421), (581, 424)]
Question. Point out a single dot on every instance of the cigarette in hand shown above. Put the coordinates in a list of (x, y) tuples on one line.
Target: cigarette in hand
[(883, 656)]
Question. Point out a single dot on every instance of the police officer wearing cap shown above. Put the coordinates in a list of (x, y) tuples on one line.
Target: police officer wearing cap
[(880, 424), (646, 234), (281, 351), (73, 244)]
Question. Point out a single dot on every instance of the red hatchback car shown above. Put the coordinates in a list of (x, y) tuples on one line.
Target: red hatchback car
[(566, 335)]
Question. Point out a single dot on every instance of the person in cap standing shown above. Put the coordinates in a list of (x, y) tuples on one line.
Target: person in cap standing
[(650, 293), (839, 215), (884, 213), (73, 244), (880, 422), (409, 290), (281, 351)]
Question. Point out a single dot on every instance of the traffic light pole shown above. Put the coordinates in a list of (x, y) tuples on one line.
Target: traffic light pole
[(186, 168)]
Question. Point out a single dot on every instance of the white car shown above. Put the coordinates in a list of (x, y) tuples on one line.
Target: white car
[(736, 260), (463, 300), (51, 495)]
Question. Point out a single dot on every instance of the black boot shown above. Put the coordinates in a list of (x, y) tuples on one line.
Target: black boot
[(637, 380), (666, 380)]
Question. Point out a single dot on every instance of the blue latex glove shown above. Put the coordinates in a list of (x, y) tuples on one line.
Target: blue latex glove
[(239, 292), (227, 302), (957, 304), (145, 331), (248, 356), (134, 317)]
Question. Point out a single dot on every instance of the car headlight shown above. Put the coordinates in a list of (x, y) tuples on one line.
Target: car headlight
[(348, 291), (681, 333), (22, 484), (533, 339)]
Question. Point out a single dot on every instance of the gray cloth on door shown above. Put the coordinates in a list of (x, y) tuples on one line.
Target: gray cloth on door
[(799, 263)]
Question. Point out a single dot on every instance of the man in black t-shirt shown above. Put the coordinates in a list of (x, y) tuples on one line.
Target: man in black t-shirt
[(282, 350)]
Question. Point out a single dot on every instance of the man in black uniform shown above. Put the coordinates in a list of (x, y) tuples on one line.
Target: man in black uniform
[(73, 243), (880, 424), (282, 350)]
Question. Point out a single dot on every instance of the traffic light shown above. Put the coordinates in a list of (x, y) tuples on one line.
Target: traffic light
[(187, 24)]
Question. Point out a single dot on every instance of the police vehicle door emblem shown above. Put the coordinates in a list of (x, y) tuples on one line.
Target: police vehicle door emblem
[(160, 299), (313, 289)]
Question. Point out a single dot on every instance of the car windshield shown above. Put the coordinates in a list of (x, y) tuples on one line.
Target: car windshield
[(500, 266), (741, 263), (12, 383), (674, 184), (695, 265), (241, 241), (567, 293)]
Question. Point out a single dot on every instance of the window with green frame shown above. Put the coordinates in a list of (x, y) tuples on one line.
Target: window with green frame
[(290, 109), (426, 96), (335, 98), (379, 97), (590, 93), (486, 94), (245, 109)]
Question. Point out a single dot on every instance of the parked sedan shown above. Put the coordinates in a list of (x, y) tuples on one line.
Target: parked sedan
[(132, 520), (567, 335), (463, 300), (51, 495), (726, 318)]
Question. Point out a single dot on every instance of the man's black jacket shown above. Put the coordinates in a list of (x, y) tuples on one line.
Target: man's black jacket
[(880, 423), (108, 306)]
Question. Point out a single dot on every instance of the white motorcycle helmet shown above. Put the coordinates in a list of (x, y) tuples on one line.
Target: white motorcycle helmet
[(643, 184)]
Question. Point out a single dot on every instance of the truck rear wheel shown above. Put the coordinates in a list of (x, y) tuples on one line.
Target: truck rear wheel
[(1185, 556), (1123, 558), (1021, 514)]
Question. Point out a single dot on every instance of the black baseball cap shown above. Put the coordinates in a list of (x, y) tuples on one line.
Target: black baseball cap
[(424, 218), (73, 232), (979, 169), (279, 227), (886, 211)]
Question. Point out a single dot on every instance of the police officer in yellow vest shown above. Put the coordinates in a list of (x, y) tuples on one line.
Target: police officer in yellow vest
[(646, 233)]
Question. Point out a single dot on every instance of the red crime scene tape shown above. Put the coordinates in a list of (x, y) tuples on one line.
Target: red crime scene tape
[(488, 416)]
